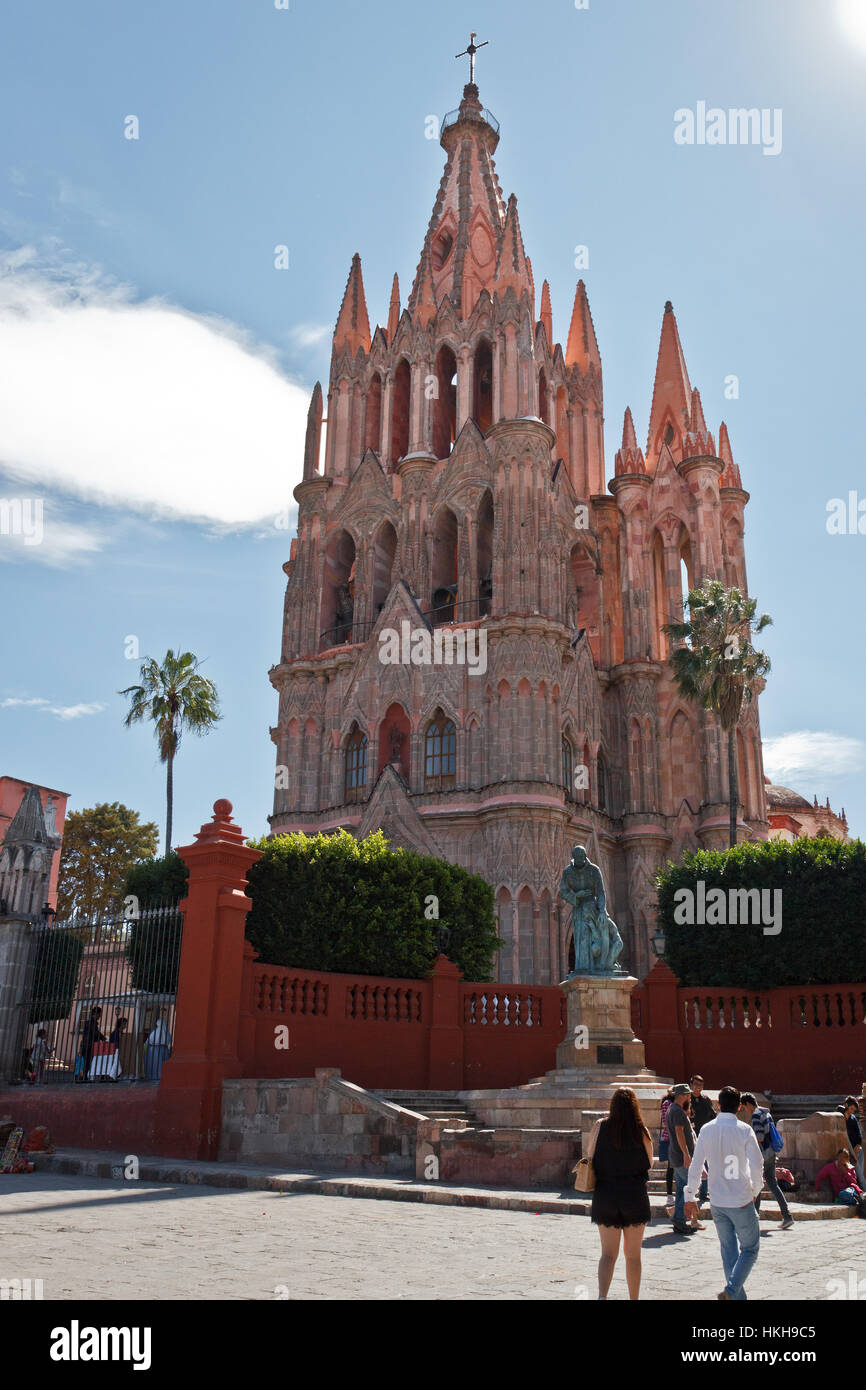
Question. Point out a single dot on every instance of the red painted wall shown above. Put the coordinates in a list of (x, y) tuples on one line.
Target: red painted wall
[(797, 1040), (94, 1116), (390, 1034)]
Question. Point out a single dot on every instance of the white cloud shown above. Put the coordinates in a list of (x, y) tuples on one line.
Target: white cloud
[(46, 538), (307, 335), (46, 707), (140, 404), (812, 758)]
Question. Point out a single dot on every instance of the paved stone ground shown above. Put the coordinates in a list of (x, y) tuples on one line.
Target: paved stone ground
[(90, 1238)]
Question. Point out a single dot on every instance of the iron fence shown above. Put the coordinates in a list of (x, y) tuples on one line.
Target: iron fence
[(94, 1001)]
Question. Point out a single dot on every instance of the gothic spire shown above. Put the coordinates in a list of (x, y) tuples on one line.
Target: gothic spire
[(314, 433), (582, 347), (731, 475), (545, 314), (394, 311), (672, 391), (353, 325), (512, 266)]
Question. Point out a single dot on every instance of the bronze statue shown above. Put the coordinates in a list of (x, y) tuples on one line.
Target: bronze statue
[(597, 943)]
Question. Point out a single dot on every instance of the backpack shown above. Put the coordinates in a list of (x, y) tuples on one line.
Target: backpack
[(777, 1143)]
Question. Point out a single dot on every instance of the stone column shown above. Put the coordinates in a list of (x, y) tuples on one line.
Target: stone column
[(17, 961)]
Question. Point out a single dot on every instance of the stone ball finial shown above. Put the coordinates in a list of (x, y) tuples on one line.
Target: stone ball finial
[(222, 809)]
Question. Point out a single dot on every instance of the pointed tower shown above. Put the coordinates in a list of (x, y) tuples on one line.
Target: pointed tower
[(583, 359), (629, 458), (465, 228), (25, 860), (545, 313), (464, 500), (393, 311), (672, 394)]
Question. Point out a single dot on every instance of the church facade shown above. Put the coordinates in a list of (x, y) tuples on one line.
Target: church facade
[(473, 655)]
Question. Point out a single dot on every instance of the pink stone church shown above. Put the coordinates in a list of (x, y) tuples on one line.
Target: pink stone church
[(458, 488)]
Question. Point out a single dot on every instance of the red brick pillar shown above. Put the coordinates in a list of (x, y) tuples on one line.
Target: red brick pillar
[(663, 1037), (445, 1066), (209, 991)]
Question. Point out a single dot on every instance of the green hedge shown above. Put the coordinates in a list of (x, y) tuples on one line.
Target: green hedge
[(822, 940), (331, 902)]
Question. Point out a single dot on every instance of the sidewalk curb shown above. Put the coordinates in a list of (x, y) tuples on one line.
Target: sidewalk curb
[(99, 1164)]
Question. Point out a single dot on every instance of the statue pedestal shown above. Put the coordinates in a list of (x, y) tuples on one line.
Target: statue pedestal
[(599, 1031), (606, 1057)]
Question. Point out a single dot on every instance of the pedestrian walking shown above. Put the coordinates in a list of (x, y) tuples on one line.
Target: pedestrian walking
[(682, 1145), (622, 1154), (664, 1153), (762, 1123), (736, 1175)]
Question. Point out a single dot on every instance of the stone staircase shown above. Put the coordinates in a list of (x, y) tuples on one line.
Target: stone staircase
[(799, 1107), (433, 1105)]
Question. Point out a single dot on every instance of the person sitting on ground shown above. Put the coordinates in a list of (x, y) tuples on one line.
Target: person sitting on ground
[(760, 1118), (842, 1178)]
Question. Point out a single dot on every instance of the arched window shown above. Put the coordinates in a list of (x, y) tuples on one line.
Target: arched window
[(400, 412), (338, 593), (482, 386), (384, 550), (568, 768), (484, 556), (440, 753), (373, 431), (444, 587), (543, 411), (445, 403), (603, 784), (356, 765)]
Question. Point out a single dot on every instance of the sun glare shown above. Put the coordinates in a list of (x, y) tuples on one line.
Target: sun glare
[(853, 16)]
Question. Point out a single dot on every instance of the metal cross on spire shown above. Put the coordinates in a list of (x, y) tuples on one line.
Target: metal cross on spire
[(470, 51)]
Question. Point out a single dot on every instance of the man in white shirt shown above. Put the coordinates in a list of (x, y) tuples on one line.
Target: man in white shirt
[(730, 1150)]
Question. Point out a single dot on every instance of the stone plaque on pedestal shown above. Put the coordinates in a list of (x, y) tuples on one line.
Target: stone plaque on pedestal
[(598, 1031)]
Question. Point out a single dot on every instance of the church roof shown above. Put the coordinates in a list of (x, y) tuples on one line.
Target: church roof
[(783, 799), (28, 824)]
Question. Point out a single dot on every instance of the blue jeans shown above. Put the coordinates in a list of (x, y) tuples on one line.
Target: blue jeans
[(737, 1225), (681, 1177)]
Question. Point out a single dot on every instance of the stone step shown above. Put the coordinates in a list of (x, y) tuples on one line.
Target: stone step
[(787, 1107)]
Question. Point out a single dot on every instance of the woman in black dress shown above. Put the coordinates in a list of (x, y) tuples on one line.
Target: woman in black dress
[(622, 1156)]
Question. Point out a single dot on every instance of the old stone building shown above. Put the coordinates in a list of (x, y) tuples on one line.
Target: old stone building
[(457, 488)]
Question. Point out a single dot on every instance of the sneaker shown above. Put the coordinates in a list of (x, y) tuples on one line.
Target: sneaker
[(681, 1229), (788, 1223)]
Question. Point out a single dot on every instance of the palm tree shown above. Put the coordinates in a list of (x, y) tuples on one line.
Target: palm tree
[(176, 698), (716, 666)]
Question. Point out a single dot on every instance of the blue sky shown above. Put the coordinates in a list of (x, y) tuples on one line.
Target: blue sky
[(155, 365)]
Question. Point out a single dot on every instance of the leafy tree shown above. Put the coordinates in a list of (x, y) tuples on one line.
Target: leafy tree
[(716, 667), (55, 973), (175, 698), (100, 845), (157, 881), (822, 883), (331, 902)]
